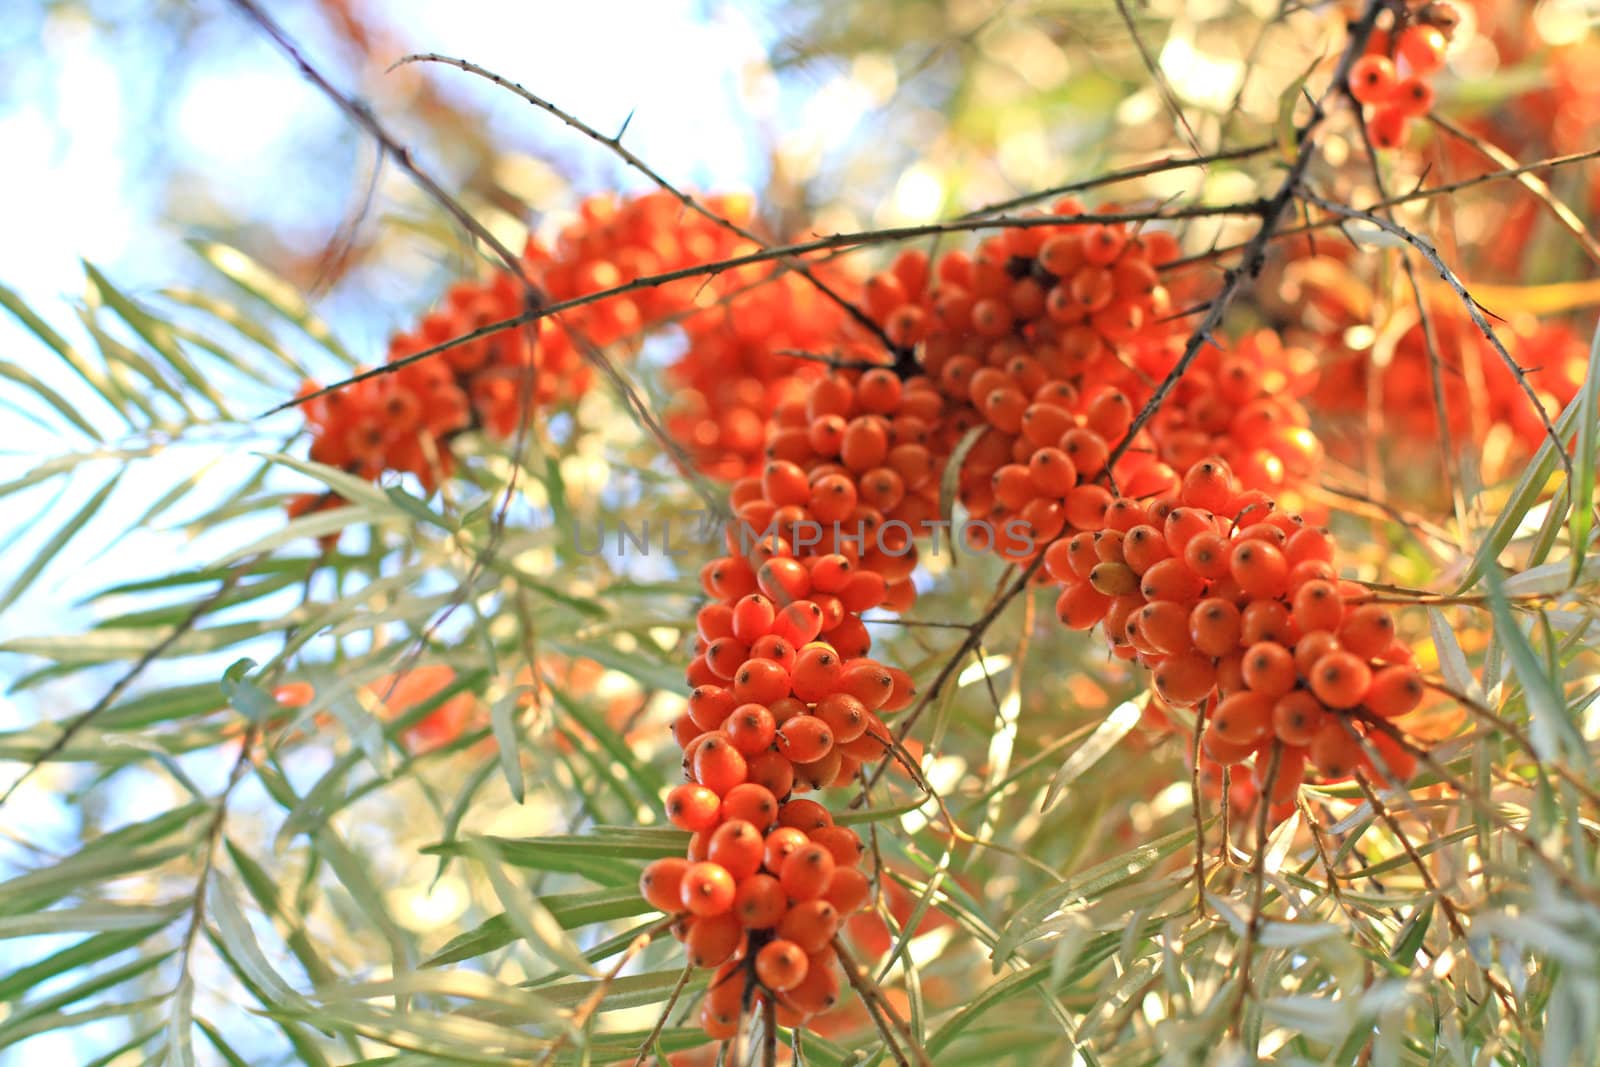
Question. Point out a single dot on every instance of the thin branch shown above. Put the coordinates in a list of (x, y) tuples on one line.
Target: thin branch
[(1169, 97), (1473, 310), (1271, 214), (614, 144)]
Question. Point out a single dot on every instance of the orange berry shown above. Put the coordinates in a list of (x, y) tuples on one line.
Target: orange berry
[(750, 802), (841, 841), (1297, 717), (805, 739), (1318, 606), (779, 845), (661, 883), (781, 965), (1412, 97), (760, 902), (806, 872), (737, 847), (1335, 752), (692, 807), (1367, 630), (1260, 569), (713, 939), (1394, 691), (1422, 48), (848, 890), (1340, 679), (707, 888), (1214, 627), (1268, 668), (1243, 718), (1372, 78), (1185, 679), (804, 815), (811, 924)]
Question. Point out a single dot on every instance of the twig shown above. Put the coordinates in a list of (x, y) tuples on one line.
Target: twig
[(871, 994), (614, 144), (1529, 181), (1432, 256), (1167, 95), (1271, 214), (666, 1012)]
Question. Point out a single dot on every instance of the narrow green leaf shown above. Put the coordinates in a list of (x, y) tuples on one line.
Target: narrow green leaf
[(108, 390), (49, 396), (59, 540), (158, 335), (271, 290), (1584, 459), (1105, 737)]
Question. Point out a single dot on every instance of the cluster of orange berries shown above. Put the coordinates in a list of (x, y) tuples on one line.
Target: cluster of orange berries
[(740, 366), (785, 699), (1235, 607), (404, 421), (1393, 78)]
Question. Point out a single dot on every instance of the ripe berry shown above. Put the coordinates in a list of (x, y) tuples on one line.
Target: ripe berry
[(760, 902), (661, 883), (706, 889), (1372, 79), (781, 965), (806, 872), (692, 807), (811, 924)]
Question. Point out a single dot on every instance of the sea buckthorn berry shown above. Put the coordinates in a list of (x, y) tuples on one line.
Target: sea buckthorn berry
[(752, 803), (762, 681), (1080, 605), (1318, 606), (864, 590), (848, 890), (819, 773), (1171, 579), (714, 621), (1335, 752), (817, 993), (1185, 679), (1087, 450), (1422, 48), (1108, 546), (1268, 668), (878, 391), (811, 924), (1183, 524), (1372, 79), (806, 815), (1267, 620), (1308, 544), (779, 845), (806, 872), (1052, 472), (781, 965), (1367, 630), (1298, 717), (774, 648), (1113, 579), (760, 902), (1309, 648), (1340, 680), (661, 883), (844, 715), (1412, 97), (713, 939), (841, 841), (1224, 752), (1243, 718), (1208, 485), (751, 729), (805, 739), (772, 772), (1387, 128), (783, 482), (710, 705), (752, 617), (1208, 554), (1214, 627), (1143, 547), (1394, 691), (707, 888), (737, 846), (870, 683), (1165, 626), (1259, 568), (692, 807), (799, 623), (1310, 570), (784, 580), (724, 656), (718, 765)]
